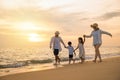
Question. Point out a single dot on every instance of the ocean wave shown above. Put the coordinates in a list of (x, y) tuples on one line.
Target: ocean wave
[(25, 63), (14, 65), (30, 62)]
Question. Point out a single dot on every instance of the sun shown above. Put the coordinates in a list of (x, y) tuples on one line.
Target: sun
[(34, 37), (31, 30)]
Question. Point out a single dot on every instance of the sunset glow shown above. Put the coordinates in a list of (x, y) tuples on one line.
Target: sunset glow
[(33, 37), (37, 20), (27, 26)]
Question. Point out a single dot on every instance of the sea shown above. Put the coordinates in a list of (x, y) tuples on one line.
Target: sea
[(18, 60)]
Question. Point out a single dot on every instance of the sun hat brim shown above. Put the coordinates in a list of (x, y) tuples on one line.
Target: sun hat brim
[(95, 25)]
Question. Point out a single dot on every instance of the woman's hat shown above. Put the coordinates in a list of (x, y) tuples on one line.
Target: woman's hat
[(95, 25), (57, 32)]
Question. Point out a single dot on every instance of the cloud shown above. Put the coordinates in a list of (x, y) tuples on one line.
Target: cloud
[(13, 4), (109, 15), (50, 16), (53, 16)]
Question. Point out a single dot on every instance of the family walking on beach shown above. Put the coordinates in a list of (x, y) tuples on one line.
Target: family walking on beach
[(56, 41)]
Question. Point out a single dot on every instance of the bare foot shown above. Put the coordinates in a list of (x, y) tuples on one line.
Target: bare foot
[(94, 61), (73, 61), (82, 61), (100, 61), (55, 64)]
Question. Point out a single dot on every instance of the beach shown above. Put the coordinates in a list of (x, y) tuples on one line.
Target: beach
[(107, 70), (39, 38)]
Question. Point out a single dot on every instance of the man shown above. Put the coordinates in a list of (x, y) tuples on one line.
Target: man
[(55, 44)]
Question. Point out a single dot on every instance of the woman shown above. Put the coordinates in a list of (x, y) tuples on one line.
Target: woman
[(97, 39), (55, 44)]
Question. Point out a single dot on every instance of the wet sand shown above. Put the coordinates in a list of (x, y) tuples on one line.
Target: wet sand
[(109, 69)]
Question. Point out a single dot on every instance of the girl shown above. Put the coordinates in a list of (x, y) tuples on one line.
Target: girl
[(81, 48), (97, 39)]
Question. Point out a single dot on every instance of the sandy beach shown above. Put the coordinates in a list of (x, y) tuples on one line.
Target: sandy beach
[(107, 70)]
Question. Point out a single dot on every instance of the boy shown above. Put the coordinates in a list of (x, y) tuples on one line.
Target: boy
[(71, 51)]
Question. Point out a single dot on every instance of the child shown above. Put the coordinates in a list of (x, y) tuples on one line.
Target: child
[(81, 48), (71, 51)]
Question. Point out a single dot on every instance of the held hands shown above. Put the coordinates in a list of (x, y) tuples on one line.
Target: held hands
[(65, 46), (84, 36), (74, 53)]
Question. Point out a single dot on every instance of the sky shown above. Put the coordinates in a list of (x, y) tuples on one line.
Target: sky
[(33, 22)]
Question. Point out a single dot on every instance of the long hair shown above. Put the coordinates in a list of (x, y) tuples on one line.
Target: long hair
[(81, 40)]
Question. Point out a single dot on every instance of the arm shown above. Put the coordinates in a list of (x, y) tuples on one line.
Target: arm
[(74, 53), (107, 33), (62, 42), (88, 36), (76, 48), (84, 39), (51, 42)]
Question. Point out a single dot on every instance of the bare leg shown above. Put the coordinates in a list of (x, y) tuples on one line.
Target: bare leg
[(55, 59), (97, 53), (69, 60), (58, 59), (81, 60), (73, 61)]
